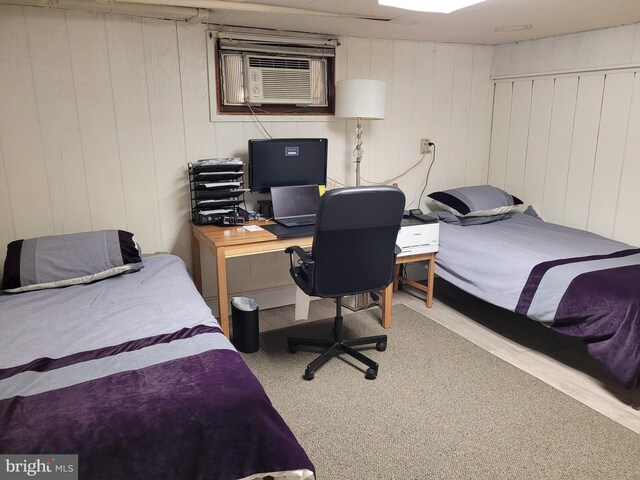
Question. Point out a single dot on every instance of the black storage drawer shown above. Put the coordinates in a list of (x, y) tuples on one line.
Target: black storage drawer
[(215, 191), (215, 194), (225, 175)]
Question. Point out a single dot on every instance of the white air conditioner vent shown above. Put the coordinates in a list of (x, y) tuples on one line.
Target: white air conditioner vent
[(275, 80), (282, 63)]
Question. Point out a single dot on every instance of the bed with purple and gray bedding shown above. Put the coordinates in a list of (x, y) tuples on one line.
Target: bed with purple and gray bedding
[(134, 375), (575, 282)]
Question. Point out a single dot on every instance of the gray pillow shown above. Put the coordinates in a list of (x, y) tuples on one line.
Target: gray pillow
[(477, 201), (63, 260)]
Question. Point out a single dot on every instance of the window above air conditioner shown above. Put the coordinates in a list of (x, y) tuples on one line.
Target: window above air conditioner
[(274, 74)]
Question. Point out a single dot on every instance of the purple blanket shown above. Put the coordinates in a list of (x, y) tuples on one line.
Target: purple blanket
[(179, 406), (595, 298)]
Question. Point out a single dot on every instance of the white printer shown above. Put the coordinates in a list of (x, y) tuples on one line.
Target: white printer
[(418, 236)]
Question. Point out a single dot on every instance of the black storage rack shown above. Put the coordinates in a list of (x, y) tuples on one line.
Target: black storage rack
[(215, 191)]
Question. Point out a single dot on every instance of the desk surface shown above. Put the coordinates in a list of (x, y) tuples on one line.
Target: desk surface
[(238, 241)]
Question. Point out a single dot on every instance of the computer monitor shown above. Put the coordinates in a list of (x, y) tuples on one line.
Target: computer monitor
[(284, 162)]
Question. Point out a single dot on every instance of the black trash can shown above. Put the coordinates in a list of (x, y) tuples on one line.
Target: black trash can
[(246, 329)]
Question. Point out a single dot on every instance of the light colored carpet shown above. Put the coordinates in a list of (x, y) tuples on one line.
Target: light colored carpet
[(441, 408)]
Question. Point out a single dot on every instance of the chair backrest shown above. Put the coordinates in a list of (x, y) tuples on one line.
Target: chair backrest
[(354, 240)]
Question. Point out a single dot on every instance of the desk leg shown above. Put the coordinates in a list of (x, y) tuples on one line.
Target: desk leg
[(387, 296), (432, 266), (223, 301), (396, 276), (195, 263)]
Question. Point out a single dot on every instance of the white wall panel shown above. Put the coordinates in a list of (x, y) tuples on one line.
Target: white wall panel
[(167, 126), (232, 140), (399, 140), (480, 107), (559, 150), (500, 133), (614, 46), (200, 133), (94, 97), (585, 101), (20, 135), (610, 152), (538, 142), (58, 118), (583, 150), (603, 48), (421, 121), (635, 53), (7, 232), (626, 227), (460, 103), (518, 137), (441, 107), (378, 133), (133, 124)]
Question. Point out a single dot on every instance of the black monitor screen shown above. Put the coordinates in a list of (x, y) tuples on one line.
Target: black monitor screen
[(287, 161)]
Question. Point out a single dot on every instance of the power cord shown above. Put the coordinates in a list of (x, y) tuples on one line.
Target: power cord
[(386, 182), (259, 122), (337, 182), (433, 160)]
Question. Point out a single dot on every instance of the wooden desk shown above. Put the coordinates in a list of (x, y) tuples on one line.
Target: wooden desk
[(431, 263), (230, 242)]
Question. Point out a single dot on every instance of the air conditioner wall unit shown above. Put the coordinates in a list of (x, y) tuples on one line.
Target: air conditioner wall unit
[(274, 80)]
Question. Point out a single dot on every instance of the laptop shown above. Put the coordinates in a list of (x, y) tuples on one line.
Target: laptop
[(295, 206)]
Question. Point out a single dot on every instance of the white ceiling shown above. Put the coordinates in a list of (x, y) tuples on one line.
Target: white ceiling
[(474, 24)]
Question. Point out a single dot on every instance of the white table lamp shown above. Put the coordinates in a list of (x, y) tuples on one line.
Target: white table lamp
[(360, 98)]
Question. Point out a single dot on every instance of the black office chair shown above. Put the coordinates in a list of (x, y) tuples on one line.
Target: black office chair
[(354, 251)]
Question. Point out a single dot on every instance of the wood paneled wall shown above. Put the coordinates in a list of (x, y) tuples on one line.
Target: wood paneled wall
[(434, 90), (100, 114), (568, 143)]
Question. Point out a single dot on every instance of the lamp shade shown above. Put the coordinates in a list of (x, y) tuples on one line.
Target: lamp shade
[(360, 98)]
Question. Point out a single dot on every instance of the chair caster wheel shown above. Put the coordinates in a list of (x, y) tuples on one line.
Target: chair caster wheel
[(292, 349), (308, 375), (371, 374), (381, 346)]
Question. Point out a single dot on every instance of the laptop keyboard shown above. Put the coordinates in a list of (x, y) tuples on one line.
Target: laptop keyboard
[(293, 221)]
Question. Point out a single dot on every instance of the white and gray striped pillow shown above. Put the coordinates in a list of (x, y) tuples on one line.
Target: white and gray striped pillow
[(477, 201), (63, 260)]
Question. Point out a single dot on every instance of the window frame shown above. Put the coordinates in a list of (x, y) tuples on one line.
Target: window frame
[(218, 108)]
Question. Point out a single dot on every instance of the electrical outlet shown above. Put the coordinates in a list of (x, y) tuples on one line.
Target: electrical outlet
[(424, 146)]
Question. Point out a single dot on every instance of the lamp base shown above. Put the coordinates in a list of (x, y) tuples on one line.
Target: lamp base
[(359, 151), (362, 301)]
